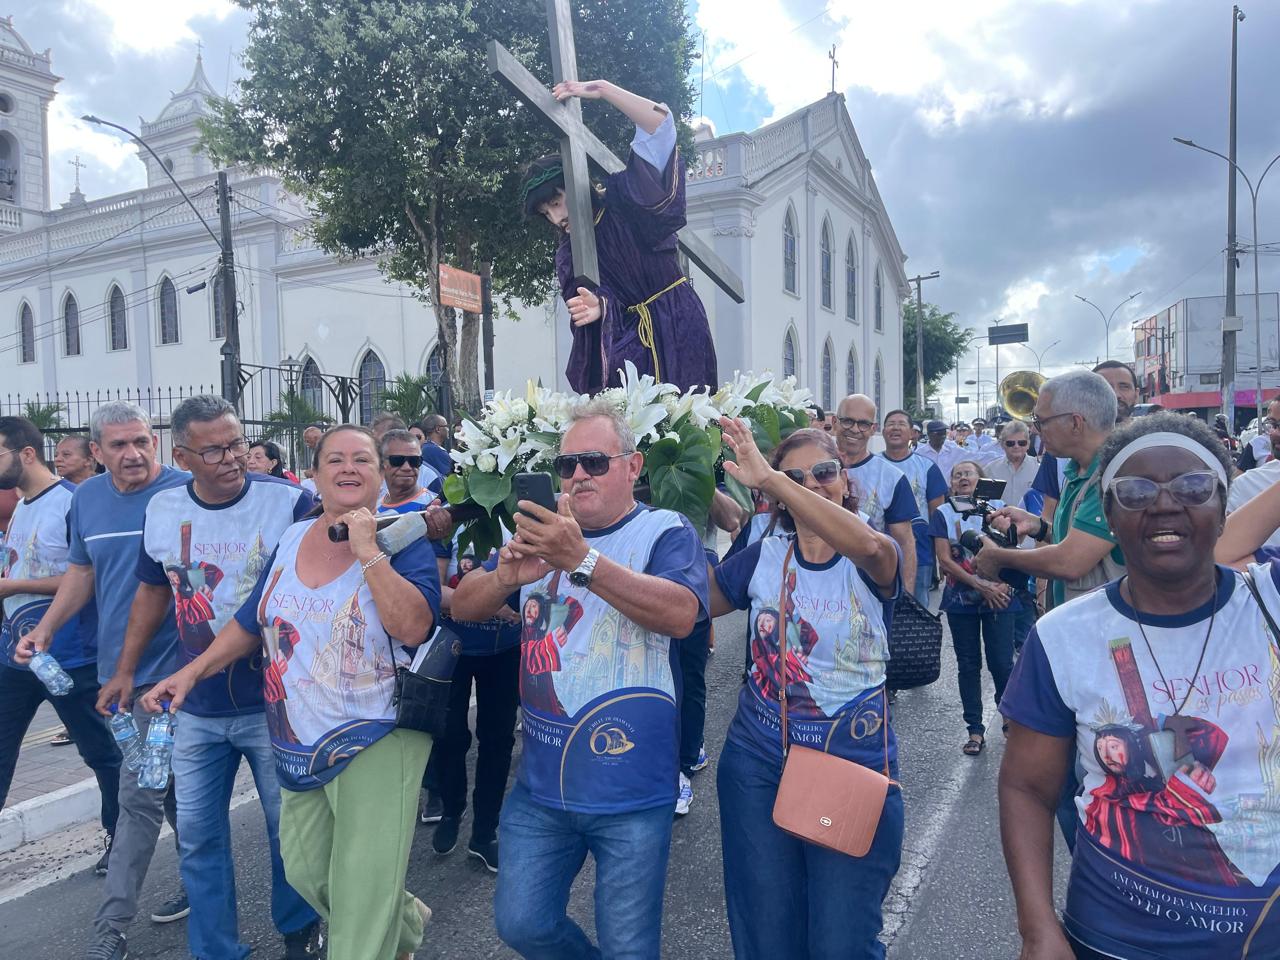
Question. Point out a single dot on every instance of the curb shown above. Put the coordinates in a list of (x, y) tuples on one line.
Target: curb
[(41, 816)]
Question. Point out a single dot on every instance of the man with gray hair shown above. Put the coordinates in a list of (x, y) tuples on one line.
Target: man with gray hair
[(105, 525), (1074, 414), (605, 586)]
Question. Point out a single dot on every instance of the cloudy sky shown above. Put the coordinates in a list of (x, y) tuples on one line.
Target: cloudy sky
[(1022, 147)]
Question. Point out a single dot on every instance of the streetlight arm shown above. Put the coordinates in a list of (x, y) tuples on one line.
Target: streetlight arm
[(90, 118), (1191, 143)]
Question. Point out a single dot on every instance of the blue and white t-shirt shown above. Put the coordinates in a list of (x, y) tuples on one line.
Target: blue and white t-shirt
[(211, 555), (1051, 477), (837, 627), (598, 693), (760, 525), (1178, 840), (479, 638), (883, 492), (106, 531), (926, 484), (328, 674), (35, 548), (946, 523)]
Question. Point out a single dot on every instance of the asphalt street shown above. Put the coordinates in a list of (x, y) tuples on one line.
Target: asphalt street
[(951, 898)]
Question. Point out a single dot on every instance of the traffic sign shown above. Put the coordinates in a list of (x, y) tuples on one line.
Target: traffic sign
[(962, 399), (1009, 333)]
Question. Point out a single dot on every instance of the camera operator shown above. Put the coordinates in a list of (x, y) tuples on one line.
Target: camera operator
[(1074, 415)]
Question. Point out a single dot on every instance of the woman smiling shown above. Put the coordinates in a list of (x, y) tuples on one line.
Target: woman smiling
[(1164, 687)]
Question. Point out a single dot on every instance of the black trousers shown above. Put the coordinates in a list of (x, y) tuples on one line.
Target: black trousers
[(497, 684), (694, 650), (21, 694)]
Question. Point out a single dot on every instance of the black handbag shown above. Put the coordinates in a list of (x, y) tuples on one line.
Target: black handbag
[(915, 645), (421, 698)]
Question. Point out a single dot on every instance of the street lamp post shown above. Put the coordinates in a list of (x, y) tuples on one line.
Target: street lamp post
[(1106, 319), (1257, 293), (1039, 355)]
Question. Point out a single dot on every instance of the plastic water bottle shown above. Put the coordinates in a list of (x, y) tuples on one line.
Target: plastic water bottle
[(127, 737), (51, 674), (158, 752)]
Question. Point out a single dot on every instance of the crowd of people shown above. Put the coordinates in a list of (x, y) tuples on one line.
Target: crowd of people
[(1118, 587)]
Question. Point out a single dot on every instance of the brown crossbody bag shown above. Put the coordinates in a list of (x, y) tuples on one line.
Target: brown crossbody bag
[(822, 798)]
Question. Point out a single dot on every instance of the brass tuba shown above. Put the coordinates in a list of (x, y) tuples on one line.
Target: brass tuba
[(1019, 392)]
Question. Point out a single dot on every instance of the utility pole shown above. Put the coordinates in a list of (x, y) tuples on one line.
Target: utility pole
[(1231, 323), (230, 319), (917, 280), (486, 320)]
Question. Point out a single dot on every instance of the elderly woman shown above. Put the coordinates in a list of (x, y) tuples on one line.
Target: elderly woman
[(266, 457), (1161, 687), (333, 620), (979, 611), (837, 578)]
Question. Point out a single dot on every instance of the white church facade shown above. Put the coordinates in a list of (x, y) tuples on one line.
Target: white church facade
[(120, 293)]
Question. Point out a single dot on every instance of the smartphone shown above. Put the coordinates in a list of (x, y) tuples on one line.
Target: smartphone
[(536, 488)]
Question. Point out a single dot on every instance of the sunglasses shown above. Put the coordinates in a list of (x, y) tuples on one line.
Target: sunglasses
[(1015, 443), (398, 460), (1189, 489), (824, 472), (594, 463)]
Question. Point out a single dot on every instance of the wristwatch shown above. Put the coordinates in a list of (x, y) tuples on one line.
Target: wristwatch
[(1042, 533), (581, 577)]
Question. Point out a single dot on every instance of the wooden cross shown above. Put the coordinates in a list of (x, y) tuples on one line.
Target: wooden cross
[(578, 145), (79, 166)]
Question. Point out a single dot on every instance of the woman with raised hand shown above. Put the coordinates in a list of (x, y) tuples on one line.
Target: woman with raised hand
[(828, 588), (334, 620), (1162, 687)]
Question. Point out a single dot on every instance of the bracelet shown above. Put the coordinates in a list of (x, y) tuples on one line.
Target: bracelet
[(1042, 534), (374, 560)]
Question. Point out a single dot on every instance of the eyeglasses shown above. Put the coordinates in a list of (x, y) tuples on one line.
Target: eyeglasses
[(849, 423), (824, 471), (1270, 424), (594, 463), (1189, 489), (397, 460), (212, 455), (1015, 443), (1039, 422)]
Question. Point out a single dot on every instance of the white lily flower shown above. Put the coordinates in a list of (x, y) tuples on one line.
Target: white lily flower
[(699, 406)]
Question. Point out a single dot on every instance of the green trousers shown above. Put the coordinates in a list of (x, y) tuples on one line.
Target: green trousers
[(346, 848)]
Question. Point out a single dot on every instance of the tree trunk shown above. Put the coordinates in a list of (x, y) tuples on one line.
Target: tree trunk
[(445, 323)]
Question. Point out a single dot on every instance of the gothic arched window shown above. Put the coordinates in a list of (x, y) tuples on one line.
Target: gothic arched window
[(435, 365), (311, 385), (27, 334), (824, 250), (828, 376), (373, 383), (850, 281), (879, 293), (789, 364), (168, 312), (851, 372), (117, 321), (878, 385), (789, 252), (70, 326)]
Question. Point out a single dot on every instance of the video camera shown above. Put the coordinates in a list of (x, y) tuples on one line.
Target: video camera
[(979, 502)]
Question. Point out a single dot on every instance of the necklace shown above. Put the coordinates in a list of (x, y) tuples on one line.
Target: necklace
[(1177, 711)]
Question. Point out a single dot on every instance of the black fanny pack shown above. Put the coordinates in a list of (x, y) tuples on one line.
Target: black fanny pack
[(421, 698)]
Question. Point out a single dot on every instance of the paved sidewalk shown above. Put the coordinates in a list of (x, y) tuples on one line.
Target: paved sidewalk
[(43, 768)]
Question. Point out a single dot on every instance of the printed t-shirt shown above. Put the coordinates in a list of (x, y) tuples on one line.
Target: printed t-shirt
[(883, 492), (1178, 840), (421, 499), (211, 555), (328, 674), (36, 547), (946, 523), (837, 646), (479, 638), (755, 528), (1248, 485), (106, 531), (437, 457), (926, 484), (1088, 516), (598, 693), (1256, 452)]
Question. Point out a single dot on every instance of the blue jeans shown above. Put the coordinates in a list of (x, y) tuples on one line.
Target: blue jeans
[(542, 851), (924, 577), (788, 898), (206, 756), (1024, 619), (970, 633)]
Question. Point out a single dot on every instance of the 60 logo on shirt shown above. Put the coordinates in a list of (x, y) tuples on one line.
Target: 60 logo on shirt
[(611, 740)]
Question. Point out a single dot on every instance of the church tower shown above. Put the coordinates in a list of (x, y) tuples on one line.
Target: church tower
[(174, 134), (26, 88)]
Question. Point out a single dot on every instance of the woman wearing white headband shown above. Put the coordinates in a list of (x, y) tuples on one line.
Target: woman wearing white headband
[(1164, 688)]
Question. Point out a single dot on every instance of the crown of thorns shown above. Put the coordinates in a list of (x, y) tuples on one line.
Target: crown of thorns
[(534, 182)]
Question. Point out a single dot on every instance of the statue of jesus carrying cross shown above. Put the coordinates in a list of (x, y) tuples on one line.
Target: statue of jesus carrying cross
[(645, 306)]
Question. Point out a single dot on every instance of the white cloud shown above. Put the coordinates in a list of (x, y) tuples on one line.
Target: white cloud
[(112, 164), (150, 26)]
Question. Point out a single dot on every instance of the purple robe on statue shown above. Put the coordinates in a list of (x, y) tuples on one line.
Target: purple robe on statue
[(636, 224)]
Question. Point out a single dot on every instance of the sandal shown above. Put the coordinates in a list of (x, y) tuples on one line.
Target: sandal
[(974, 745)]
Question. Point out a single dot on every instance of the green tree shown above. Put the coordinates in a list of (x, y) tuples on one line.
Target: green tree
[(409, 397), (286, 423), (47, 417), (945, 342), (385, 117)]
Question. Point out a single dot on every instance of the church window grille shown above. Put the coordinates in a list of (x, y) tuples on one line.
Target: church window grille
[(789, 354), (373, 384), (70, 327), (851, 372), (878, 385), (789, 253), (828, 377), (27, 334), (828, 296), (311, 384), (879, 296), (168, 312), (435, 365), (118, 331), (850, 281)]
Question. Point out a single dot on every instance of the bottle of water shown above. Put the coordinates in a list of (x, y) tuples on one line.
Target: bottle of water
[(51, 674), (158, 752), (127, 737)]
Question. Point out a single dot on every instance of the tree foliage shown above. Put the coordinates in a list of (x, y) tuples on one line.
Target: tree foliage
[(47, 418), (383, 114), (286, 423), (410, 397), (945, 342)]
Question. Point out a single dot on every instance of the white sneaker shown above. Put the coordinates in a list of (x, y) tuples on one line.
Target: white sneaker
[(685, 799)]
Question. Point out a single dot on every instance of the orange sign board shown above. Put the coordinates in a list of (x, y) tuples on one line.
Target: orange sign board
[(460, 289)]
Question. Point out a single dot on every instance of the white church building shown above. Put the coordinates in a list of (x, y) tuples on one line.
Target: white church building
[(120, 292)]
